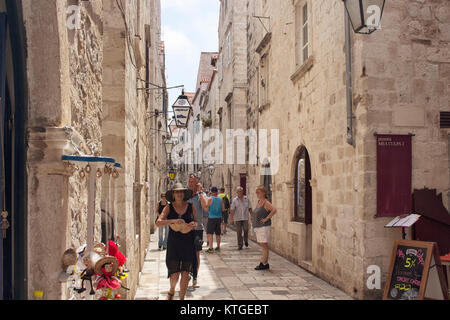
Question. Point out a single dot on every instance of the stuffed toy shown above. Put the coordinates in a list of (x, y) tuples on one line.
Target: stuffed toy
[(89, 261), (106, 269), (113, 250)]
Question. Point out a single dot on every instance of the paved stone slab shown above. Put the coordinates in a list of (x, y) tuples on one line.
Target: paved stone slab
[(230, 275)]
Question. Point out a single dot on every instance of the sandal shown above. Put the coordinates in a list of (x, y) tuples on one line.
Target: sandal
[(195, 284), (170, 296)]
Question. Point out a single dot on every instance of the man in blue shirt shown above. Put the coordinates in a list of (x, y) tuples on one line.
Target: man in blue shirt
[(215, 206)]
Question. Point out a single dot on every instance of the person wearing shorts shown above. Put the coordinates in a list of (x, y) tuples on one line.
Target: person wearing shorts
[(215, 206), (226, 201), (261, 220)]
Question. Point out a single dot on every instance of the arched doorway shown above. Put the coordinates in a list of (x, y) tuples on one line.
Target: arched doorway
[(302, 187), (302, 209), (13, 115)]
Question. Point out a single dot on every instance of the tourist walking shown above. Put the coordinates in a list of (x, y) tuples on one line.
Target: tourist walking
[(195, 186), (163, 232), (214, 205), (239, 215), (261, 221), (180, 216), (226, 201)]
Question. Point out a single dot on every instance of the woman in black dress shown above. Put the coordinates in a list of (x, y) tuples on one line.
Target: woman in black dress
[(181, 217)]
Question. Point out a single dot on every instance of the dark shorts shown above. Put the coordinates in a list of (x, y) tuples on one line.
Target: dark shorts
[(225, 216), (198, 234), (213, 226)]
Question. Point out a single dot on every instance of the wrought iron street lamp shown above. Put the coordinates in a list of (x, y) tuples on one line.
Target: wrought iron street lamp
[(169, 146), (172, 127), (211, 169), (182, 110), (365, 15), (365, 18)]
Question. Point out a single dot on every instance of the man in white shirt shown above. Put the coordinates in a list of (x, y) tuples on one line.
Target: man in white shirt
[(240, 209)]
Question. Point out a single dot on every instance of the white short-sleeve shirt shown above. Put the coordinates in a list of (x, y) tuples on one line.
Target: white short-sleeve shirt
[(241, 208)]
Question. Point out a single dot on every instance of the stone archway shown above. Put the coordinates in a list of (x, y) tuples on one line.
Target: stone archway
[(302, 209)]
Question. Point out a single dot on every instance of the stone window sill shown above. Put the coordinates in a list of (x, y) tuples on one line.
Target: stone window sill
[(303, 69), (296, 227)]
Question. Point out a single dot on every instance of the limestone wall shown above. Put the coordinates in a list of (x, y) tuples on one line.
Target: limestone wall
[(402, 82), (399, 79), (64, 69), (86, 98)]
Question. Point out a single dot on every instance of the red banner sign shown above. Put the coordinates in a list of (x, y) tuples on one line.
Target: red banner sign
[(394, 175)]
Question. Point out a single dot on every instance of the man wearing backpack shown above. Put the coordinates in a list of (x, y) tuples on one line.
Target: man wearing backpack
[(226, 201)]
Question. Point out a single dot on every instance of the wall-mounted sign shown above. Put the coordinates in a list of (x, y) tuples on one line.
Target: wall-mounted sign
[(394, 175)]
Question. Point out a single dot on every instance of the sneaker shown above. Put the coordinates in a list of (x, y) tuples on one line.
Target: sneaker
[(262, 267), (217, 250), (195, 284), (246, 244), (210, 250)]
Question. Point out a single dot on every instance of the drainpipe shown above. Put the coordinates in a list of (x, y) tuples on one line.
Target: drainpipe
[(348, 60)]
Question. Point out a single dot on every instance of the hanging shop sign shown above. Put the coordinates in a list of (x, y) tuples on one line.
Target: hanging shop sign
[(394, 175)]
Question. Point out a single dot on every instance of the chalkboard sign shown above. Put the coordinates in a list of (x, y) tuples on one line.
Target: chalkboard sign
[(410, 268)]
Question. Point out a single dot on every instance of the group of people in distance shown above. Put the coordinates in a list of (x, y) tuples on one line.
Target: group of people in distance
[(185, 213)]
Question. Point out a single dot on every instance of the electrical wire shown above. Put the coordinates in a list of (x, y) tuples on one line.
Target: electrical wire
[(128, 39)]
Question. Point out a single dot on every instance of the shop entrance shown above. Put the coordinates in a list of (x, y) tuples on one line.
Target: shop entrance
[(13, 181)]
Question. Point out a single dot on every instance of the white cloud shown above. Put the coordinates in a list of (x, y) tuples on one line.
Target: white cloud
[(178, 43)]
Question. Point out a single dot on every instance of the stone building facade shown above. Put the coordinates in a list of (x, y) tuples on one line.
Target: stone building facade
[(196, 123), (232, 83), (292, 79), (77, 80)]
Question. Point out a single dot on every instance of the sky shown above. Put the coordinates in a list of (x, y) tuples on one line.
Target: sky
[(189, 27)]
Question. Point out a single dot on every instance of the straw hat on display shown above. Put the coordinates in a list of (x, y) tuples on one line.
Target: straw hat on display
[(100, 249), (106, 260), (69, 258)]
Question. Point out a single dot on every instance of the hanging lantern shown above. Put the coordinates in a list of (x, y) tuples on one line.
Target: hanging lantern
[(365, 15), (211, 169), (169, 146), (182, 111), (172, 174)]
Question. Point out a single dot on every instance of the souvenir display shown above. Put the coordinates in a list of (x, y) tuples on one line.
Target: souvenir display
[(95, 269)]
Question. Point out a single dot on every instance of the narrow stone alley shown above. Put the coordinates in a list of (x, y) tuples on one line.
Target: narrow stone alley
[(230, 275)]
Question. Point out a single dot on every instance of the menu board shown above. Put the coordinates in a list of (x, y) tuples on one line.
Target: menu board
[(410, 269), (407, 274)]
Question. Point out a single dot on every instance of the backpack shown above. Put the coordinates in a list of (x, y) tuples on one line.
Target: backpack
[(226, 202)]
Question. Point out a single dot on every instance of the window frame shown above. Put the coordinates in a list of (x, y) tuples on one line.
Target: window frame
[(305, 33), (264, 75)]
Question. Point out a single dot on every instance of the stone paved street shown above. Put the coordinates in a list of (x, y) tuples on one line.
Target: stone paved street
[(230, 275)]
